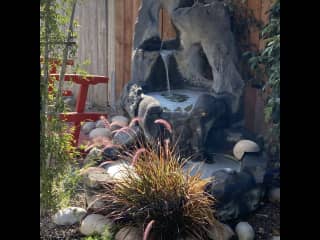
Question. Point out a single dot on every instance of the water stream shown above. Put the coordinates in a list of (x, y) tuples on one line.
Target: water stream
[(165, 55)]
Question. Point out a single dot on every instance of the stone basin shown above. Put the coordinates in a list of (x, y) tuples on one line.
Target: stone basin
[(181, 100), (207, 170)]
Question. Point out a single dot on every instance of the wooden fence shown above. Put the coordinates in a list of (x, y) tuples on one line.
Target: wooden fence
[(106, 36)]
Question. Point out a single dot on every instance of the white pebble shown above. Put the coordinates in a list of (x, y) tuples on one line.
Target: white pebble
[(244, 231), (69, 216)]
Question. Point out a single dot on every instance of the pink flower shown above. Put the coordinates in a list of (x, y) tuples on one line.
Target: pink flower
[(165, 123), (136, 155)]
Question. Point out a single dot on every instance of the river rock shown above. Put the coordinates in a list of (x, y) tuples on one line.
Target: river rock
[(100, 132), (95, 154), (220, 231), (237, 194), (245, 146), (94, 180), (274, 195), (69, 216), (129, 233), (94, 223), (121, 120), (88, 127), (244, 231), (100, 124)]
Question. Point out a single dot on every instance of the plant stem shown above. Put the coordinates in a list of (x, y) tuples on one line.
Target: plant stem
[(65, 55)]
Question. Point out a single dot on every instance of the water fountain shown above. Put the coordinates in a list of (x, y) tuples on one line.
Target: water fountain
[(194, 83)]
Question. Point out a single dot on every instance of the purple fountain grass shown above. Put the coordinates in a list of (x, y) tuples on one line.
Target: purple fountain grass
[(156, 191), (134, 121), (126, 130), (165, 123), (137, 155), (99, 141), (148, 229)]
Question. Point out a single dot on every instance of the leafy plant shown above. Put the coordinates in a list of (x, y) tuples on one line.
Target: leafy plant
[(106, 235), (267, 63), (57, 153)]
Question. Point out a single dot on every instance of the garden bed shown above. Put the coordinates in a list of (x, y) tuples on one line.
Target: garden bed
[(265, 222)]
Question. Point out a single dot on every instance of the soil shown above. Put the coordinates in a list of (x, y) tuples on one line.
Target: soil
[(265, 222), (50, 231)]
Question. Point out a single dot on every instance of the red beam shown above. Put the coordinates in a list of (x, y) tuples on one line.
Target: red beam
[(80, 79), (81, 117)]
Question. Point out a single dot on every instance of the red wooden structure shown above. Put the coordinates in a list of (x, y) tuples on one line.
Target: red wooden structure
[(84, 81)]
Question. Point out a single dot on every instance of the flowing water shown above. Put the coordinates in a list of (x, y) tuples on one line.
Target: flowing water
[(165, 55)]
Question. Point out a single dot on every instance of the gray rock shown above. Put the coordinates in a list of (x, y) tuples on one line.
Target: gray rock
[(69, 101), (245, 146), (88, 127), (125, 137), (208, 169), (123, 121), (69, 216), (244, 231), (129, 233), (111, 153), (85, 172), (274, 195), (94, 180), (256, 164), (236, 193), (275, 238), (118, 169), (100, 124), (94, 202), (216, 40), (100, 132), (94, 224), (94, 155), (115, 126), (220, 231)]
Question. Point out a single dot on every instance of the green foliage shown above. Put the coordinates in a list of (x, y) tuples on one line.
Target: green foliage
[(58, 179), (267, 62), (156, 190), (106, 235)]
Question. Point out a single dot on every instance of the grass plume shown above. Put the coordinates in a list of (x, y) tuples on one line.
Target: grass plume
[(157, 196)]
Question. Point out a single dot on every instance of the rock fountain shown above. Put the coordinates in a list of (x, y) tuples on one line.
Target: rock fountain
[(194, 83)]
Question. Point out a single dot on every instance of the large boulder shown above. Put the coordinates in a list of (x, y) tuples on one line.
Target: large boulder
[(236, 193)]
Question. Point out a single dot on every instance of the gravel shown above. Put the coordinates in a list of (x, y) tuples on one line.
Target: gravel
[(266, 221)]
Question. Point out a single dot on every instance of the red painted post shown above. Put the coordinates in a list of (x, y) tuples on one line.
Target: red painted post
[(84, 82), (80, 107), (82, 96)]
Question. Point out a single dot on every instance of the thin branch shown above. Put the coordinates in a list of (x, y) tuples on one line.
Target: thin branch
[(65, 55)]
